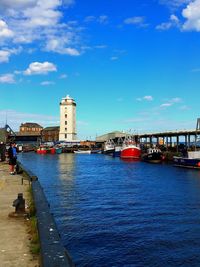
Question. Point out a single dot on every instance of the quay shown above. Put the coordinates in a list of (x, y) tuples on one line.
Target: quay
[(15, 243), (15, 237)]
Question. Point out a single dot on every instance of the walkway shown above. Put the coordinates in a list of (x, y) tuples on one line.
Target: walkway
[(14, 238)]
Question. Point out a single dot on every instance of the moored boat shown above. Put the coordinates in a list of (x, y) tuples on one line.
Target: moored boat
[(191, 161), (130, 150), (153, 155), (82, 151), (117, 151), (109, 147)]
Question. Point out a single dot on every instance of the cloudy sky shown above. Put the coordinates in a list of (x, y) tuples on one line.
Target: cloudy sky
[(129, 64)]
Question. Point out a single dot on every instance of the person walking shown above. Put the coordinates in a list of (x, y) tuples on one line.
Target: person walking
[(12, 155)]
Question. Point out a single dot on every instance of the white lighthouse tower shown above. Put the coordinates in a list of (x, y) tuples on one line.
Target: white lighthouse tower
[(67, 119)]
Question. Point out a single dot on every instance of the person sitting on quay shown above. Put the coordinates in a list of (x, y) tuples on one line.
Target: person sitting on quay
[(12, 155)]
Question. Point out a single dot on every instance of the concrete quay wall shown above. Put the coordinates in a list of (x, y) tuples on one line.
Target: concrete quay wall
[(53, 253)]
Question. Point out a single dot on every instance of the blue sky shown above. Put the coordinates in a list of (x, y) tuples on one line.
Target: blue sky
[(129, 64)]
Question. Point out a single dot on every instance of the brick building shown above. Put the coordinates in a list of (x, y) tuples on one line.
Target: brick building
[(50, 134), (30, 128)]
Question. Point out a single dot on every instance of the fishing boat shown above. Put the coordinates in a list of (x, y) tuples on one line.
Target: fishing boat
[(118, 148), (58, 150), (82, 151), (109, 147), (153, 155), (130, 150), (192, 160)]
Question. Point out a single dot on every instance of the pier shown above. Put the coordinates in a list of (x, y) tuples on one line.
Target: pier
[(168, 138)]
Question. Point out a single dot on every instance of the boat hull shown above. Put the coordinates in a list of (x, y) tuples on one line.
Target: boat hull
[(187, 162), (109, 151), (153, 157), (131, 153), (82, 152)]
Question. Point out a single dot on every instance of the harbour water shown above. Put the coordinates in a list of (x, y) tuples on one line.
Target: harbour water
[(111, 212)]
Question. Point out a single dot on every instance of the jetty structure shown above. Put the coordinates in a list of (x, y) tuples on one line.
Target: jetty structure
[(67, 119)]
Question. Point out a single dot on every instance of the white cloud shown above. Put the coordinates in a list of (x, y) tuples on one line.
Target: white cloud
[(146, 97), (6, 53), (166, 105), (192, 15), (40, 68), (5, 32), (4, 56), (63, 76), (15, 118), (103, 19), (173, 22), (185, 107), (7, 78), (114, 58), (59, 45), (139, 21), (176, 100), (173, 4), (90, 18), (171, 102), (46, 83), (29, 21)]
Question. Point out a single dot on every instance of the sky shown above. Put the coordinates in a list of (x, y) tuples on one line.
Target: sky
[(130, 65)]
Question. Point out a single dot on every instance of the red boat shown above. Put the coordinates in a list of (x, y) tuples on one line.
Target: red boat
[(130, 150)]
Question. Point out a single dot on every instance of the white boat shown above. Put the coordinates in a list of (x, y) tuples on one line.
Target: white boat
[(109, 147), (82, 151)]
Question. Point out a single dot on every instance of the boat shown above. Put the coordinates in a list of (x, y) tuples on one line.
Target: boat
[(118, 148), (58, 150), (43, 150), (82, 151), (109, 147), (191, 161), (96, 151), (117, 151), (130, 150), (153, 155)]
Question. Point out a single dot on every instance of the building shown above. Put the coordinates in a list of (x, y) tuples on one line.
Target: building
[(67, 119), (50, 134), (112, 135), (30, 128)]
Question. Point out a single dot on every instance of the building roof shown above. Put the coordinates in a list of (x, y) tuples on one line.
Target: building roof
[(52, 128), (112, 135), (31, 125)]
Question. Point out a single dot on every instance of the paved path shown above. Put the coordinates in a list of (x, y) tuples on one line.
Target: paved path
[(14, 238)]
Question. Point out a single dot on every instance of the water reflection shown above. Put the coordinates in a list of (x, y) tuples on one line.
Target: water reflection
[(67, 166)]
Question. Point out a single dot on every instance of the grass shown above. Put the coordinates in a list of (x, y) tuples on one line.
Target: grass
[(32, 226)]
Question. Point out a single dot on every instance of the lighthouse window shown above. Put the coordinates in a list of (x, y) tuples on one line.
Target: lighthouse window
[(65, 122), (65, 115), (65, 135)]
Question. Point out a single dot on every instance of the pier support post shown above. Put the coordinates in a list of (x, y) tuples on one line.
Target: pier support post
[(177, 142)]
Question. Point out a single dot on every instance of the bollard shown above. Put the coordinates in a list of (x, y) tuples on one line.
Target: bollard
[(19, 204)]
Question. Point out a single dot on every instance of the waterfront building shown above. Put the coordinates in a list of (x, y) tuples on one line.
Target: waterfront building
[(67, 119), (30, 128), (50, 134), (112, 135)]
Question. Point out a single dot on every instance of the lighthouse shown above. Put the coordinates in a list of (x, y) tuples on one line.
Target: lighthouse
[(67, 119)]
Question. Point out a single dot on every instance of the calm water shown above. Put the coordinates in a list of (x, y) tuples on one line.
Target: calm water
[(115, 213)]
